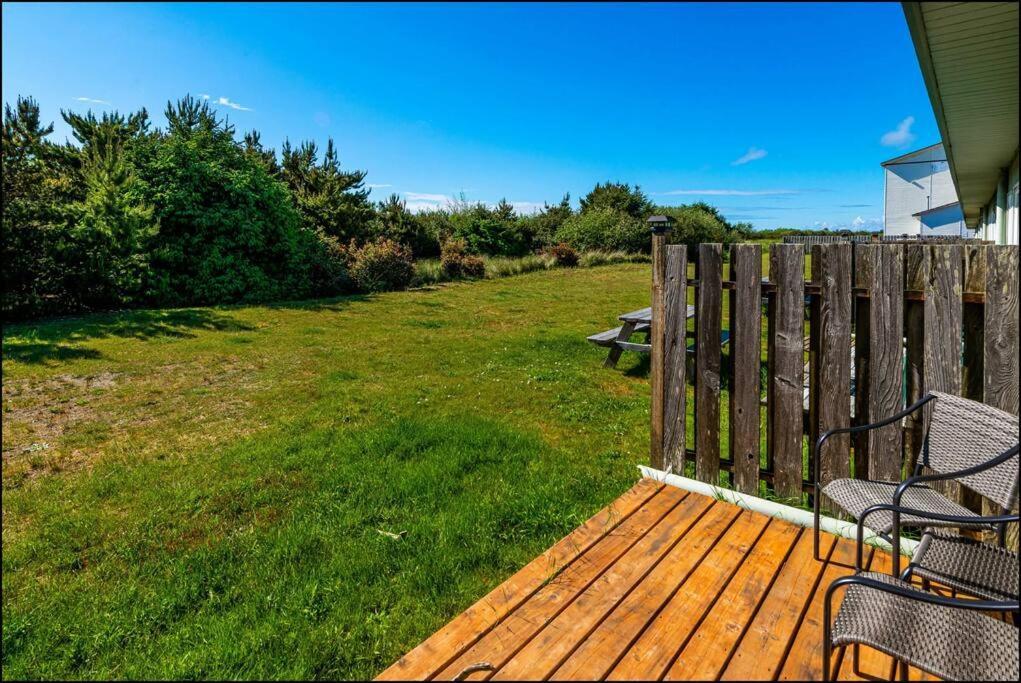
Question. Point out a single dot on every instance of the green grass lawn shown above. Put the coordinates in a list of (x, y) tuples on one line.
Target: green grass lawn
[(301, 490)]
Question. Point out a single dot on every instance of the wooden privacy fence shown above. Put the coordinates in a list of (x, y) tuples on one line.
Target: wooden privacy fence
[(909, 318)]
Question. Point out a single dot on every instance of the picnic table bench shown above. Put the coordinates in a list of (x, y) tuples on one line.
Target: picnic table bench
[(618, 340)]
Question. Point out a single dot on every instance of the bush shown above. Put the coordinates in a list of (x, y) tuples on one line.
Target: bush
[(605, 230), (322, 260), (590, 259), (456, 263), (381, 266), (563, 255), (504, 266)]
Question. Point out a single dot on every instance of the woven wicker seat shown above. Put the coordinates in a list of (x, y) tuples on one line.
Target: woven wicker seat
[(952, 643), (857, 495), (967, 565)]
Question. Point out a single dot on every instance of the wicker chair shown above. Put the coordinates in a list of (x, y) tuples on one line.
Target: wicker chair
[(947, 637), (967, 442)]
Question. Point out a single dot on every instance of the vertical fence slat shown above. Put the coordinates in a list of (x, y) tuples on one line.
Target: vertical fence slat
[(657, 342), (830, 360), (916, 265), (1001, 363), (786, 370), (943, 330), (862, 370), (707, 362), (745, 349), (973, 322), (675, 322), (885, 268), (1001, 328)]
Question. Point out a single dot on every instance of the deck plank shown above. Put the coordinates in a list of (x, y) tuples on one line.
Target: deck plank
[(610, 640), (464, 629), (706, 653), (804, 662), (761, 649), (558, 639), (497, 646), (655, 649)]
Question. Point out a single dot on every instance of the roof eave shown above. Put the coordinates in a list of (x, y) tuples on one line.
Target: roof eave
[(916, 26)]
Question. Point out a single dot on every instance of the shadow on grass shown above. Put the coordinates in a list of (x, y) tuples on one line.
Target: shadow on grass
[(58, 340), (641, 368)]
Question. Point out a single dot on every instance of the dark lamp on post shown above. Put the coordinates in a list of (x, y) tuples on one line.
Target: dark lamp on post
[(660, 224)]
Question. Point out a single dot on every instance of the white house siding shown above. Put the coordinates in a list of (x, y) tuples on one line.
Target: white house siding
[(916, 183), (1011, 236), (942, 222), (999, 222)]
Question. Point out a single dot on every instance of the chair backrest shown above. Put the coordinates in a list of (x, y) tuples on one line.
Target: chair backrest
[(964, 433)]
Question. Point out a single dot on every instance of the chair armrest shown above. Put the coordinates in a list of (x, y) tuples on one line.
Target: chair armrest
[(899, 510), (974, 469), (861, 428), (931, 598)]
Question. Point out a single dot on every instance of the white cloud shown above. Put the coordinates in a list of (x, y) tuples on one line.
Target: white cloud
[(528, 207), (204, 96), (426, 197), (225, 102), (730, 193), (92, 100), (901, 136), (753, 154), (376, 186)]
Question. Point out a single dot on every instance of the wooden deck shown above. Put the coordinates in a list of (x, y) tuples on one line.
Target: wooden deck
[(662, 584)]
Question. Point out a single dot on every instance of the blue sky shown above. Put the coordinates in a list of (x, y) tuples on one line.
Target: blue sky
[(779, 114)]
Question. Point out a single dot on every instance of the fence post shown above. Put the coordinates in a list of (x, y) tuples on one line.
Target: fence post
[(660, 226)]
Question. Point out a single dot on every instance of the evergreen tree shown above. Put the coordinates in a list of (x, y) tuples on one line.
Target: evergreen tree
[(35, 197), (331, 201), (619, 197)]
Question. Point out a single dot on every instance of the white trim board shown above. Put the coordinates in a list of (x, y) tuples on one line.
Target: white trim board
[(793, 515)]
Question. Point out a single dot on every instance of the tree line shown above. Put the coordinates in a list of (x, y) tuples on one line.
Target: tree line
[(133, 215)]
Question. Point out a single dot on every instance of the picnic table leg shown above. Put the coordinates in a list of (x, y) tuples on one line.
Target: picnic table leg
[(626, 330)]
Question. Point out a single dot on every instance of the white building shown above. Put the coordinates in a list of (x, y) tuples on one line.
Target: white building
[(920, 199), (968, 54)]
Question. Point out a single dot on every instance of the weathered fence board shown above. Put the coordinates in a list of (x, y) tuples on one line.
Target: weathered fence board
[(658, 344), (879, 349), (708, 313), (786, 359), (944, 284), (830, 357), (675, 305), (745, 349), (916, 265), (1000, 358)]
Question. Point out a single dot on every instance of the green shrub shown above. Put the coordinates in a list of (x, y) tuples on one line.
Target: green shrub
[(564, 255), (457, 263), (604, 229), (503, 266), (322, 261), (382, 265), (590, 259)]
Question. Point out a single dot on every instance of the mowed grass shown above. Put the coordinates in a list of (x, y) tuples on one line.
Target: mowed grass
[(301, 490)]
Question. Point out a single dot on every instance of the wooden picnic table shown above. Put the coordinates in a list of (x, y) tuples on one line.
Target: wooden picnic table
[(618, 340)]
